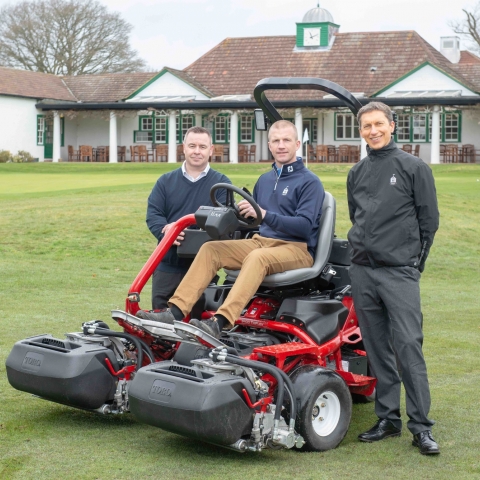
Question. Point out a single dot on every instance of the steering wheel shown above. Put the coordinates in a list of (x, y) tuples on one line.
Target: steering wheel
[(230, 202)]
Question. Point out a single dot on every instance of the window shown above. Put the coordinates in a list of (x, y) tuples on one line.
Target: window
[(246, 129), (151, 128), (451, 131), (40, 129), (145, 130), (222, 129), (403, 128), (161, 130), (188, 121), (314, 131), (419, 127), (347, 127)]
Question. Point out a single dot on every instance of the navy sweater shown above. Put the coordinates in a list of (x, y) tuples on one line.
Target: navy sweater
[(293, 201), (173, 197)]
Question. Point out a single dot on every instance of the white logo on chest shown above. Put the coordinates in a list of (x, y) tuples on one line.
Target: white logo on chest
[(285, 191), (393, 180), (290, 169)]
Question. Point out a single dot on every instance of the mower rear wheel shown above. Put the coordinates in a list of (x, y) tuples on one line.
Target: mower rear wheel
[(325, 408)]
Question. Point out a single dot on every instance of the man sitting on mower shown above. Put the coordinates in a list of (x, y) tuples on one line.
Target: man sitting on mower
[(290, 198)]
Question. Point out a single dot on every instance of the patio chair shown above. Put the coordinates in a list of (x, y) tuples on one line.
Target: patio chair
[(354, 153), (242, 153), (217, 153), (467, 153), (121, 154), (332, 153), (251, 153), (86, 153), (322, 153), (180, 154), (344, 153), (451, 154), (102, 154), (73, 155), (161, 153)]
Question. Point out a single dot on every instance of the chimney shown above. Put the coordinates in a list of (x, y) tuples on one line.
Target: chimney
[(450, 48)]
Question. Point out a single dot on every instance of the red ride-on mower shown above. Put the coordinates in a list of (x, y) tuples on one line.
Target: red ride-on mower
[(283, 377)]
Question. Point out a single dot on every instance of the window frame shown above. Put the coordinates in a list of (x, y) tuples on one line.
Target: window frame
[(354, 127), (251, 128), (227, 118), (428, 128)]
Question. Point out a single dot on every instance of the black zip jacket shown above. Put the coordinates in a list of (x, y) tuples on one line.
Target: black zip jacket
[(393, 207)]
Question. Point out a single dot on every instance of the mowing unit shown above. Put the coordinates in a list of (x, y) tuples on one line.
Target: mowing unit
[(283, 377)]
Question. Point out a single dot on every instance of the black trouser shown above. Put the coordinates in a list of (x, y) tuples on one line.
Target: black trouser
[(164, 285), (387, 302)]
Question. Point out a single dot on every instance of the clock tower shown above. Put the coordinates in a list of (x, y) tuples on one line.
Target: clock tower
[(316, 31)]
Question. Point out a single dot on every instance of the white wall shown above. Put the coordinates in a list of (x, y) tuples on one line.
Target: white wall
[(427, 78), (18, 125), (169, 85), (471, 127)]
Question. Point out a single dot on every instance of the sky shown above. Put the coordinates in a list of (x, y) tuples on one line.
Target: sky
[(174, 33)]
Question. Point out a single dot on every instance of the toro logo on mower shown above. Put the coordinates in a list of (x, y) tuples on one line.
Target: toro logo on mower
[(162, 391), (32, 361)]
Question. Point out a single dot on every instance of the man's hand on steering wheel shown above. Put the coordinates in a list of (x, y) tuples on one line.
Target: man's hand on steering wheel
[(247, 217), (246, 210)]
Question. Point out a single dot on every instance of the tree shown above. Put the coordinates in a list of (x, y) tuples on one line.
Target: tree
[(469, 26), (66, 37)]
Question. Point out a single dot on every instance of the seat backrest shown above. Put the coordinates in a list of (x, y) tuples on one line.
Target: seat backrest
[(322, 254)]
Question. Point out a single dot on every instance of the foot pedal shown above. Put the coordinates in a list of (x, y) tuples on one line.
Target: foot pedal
[(194, 334)]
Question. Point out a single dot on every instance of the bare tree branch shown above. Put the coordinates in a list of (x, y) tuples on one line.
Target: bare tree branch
[(469, 27), (66, 37)]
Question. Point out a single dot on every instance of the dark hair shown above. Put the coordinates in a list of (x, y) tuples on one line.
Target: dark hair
[(198, 130), (371, 107)]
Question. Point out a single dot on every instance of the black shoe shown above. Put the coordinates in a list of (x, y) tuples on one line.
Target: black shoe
[(382, 429), (209, 326), (163, 316), (425, 442)]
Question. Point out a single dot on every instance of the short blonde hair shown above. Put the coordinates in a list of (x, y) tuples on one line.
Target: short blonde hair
[(283, 124)]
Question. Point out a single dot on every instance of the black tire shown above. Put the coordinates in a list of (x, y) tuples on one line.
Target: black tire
[(325, 407)]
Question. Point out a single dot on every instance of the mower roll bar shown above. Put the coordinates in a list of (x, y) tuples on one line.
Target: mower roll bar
[(305, 83)]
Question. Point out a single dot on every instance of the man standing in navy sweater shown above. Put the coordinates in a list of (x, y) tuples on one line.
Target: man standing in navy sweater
[(290, 198), (176, 194)]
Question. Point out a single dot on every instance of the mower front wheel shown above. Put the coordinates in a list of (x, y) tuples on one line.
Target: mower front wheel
[(325, 407)]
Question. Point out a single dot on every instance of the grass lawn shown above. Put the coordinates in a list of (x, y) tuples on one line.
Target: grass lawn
[(72, 239)]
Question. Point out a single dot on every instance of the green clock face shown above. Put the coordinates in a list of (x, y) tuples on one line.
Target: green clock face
[(311, 37)]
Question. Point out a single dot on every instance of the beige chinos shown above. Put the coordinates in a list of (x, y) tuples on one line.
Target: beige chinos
[(255, 258)]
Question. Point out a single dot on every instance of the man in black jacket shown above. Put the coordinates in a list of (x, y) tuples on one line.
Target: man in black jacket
[(393, 208)]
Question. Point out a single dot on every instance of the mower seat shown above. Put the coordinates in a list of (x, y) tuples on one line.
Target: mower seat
[(324, 247)]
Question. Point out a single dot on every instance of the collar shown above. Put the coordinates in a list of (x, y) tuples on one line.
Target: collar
[(189, 177), (285, 170), (382, 152)]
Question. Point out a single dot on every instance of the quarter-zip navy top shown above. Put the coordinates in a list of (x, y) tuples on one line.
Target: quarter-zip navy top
[(293, 200)]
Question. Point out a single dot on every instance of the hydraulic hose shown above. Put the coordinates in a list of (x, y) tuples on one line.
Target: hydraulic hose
[(139, 344), (281, 377), (288, 383), (145, 348)]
